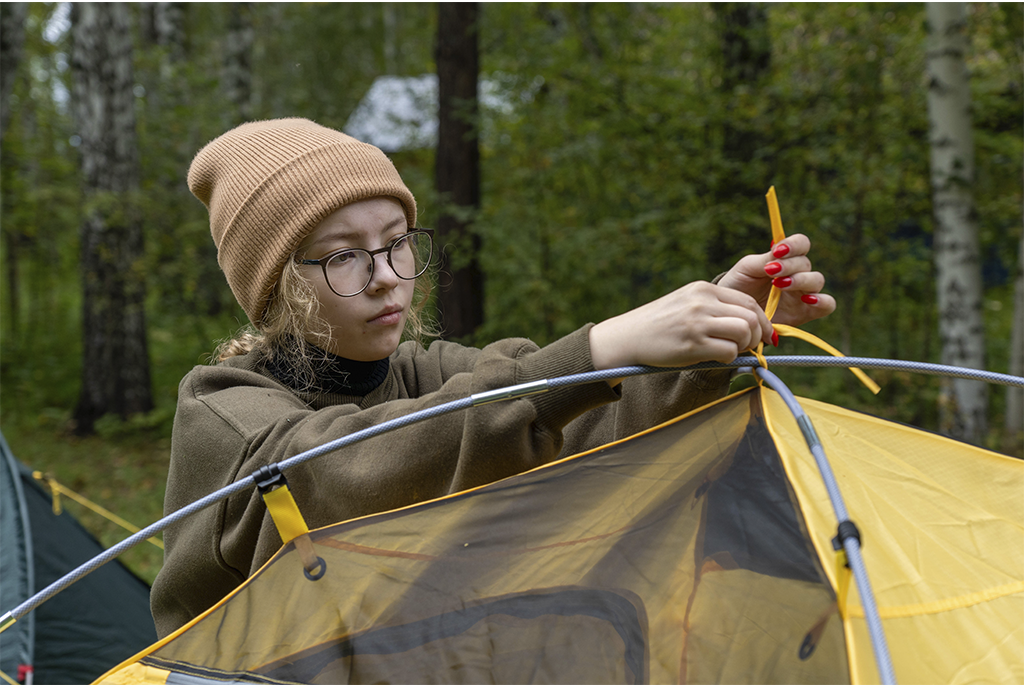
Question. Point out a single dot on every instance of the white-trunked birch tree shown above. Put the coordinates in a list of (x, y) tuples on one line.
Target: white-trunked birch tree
[(963, 403), (115, 360)]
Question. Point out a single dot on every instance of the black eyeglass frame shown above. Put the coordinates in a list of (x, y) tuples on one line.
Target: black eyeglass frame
[(429, 233)]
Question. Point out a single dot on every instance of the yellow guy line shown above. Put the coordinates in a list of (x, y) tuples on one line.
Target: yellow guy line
[(59, 489)]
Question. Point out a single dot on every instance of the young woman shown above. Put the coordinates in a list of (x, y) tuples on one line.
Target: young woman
[(316, 234)]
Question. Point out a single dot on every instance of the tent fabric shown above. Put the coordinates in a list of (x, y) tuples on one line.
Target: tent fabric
[(696, 552), (16, 571), (97, 622), (943, 544)]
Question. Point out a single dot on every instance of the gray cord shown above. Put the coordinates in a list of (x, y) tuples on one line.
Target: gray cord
[(850, 545)]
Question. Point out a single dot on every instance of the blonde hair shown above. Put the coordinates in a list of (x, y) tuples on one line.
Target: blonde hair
[(294, 328)]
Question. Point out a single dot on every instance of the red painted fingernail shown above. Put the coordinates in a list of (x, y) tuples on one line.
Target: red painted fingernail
[(782, 282), (781, 251), (772, 268), (772, 245), (810, 299), (775, 338)]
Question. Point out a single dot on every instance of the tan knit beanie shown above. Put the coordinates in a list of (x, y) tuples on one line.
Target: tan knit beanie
[(267, 185)]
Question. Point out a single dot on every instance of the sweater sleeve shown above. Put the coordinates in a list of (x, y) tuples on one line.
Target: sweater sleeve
[(231, 421), (647, 401)]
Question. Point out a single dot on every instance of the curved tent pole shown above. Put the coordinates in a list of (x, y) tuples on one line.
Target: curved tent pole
[(511, 392), (850, 543)]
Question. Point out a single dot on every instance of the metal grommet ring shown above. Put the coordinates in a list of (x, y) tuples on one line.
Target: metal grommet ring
[(321, 565), (808, 646)]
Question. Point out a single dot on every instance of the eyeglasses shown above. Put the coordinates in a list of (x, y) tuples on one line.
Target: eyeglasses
[(348, 272)]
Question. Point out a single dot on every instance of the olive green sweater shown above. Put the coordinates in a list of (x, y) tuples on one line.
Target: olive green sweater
[(235, 417)]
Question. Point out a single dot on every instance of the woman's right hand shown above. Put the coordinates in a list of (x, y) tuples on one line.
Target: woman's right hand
[(699, 322)]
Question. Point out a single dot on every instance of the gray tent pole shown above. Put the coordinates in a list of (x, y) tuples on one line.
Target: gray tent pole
[(532, 388), (850, 543)]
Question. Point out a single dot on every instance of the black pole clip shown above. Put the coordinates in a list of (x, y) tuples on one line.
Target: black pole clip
[(847, 529), (269, 478)]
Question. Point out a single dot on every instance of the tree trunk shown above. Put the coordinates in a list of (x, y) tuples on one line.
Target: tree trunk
[(457, 170), (12, 17), (746, 60), (12, 38), (236, 77), (115, 360), (963, 403), (389, 17)]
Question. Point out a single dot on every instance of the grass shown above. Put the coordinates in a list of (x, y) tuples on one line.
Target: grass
[(125, 474), (123, 468)]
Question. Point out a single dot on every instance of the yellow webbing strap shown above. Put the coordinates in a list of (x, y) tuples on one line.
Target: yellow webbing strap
[(8, 679), (778, 234), (290, 524), (58, 489), (793, 332)]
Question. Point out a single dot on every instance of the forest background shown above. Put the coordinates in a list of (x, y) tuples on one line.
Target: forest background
[(626, 152)]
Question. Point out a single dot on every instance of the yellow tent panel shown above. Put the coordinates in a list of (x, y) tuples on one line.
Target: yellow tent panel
[(943, 527)]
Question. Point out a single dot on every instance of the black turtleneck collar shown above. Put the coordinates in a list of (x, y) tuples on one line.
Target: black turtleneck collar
[(333, 374)]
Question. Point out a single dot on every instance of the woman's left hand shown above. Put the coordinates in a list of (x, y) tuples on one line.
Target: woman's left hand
[(788, 266)]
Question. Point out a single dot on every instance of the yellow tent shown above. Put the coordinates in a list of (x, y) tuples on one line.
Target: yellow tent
[(699, 551)]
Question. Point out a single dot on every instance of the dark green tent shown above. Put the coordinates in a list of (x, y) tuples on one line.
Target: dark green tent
[(100, 621)]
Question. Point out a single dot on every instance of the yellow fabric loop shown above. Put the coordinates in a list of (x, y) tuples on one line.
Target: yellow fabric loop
[(290, 524), (285, 513), (778, 234), (58, 489), (793, 332)]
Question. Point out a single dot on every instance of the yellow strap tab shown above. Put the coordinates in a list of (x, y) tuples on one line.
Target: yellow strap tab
[(58, 489), (778, 234), (290, 524), (285, 513)]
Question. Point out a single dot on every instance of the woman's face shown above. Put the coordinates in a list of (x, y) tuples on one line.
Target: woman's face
[(367, 326)]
